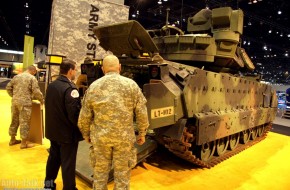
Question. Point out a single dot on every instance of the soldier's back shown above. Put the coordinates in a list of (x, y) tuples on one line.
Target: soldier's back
[(22, 85)]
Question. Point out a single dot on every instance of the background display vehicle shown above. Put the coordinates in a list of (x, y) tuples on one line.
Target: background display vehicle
[(286, 112)]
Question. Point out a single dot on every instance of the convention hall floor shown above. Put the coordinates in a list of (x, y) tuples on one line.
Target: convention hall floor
[(264, 166)]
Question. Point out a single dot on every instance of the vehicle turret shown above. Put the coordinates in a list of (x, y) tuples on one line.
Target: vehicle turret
[(212, 41)]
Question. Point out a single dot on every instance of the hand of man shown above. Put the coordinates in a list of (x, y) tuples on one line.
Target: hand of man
[(87, 139), (140, 140)]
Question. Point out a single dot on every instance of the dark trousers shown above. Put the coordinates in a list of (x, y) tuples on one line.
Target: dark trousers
[(61, 155)]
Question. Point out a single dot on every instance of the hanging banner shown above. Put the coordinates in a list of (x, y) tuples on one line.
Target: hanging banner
[(72, 23), (28, 56)]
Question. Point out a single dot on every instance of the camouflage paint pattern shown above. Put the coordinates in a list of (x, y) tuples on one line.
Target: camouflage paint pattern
[(221, 103), (23, 88), (204, 99), (108, 109), (219, 49), (72, 23)]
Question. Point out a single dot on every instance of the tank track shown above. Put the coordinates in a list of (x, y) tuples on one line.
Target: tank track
[(182, 148)]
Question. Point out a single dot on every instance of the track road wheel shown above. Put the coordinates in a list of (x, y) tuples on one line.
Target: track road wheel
[(254, 133), (222, 145), (207, 150), (245, 136), (234, 141), (260, 130)]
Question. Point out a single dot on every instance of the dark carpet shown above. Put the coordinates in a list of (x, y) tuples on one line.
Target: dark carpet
[(3, 84), (284, 130)]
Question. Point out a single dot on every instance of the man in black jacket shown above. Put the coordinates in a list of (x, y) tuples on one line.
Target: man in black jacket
[(62, 107)]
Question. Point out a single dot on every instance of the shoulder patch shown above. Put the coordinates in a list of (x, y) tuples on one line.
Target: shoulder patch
[(74, 93)]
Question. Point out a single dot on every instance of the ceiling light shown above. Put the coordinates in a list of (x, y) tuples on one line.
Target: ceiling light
[(255, 1), (159, 2), (270, 31), (279, 12), (164, 0), (11, 51)]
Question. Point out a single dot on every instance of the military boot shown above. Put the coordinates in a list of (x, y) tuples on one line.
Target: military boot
[(26, 144), (13, 141)]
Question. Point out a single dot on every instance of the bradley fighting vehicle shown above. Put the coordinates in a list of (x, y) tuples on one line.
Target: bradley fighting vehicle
[(199, 104)]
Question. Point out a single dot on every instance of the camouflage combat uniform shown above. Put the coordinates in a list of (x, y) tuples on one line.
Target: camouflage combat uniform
[(22, 88), (106, 116)]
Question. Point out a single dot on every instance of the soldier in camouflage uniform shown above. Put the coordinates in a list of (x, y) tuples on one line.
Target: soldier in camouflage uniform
[(106, 121), (23, 88)]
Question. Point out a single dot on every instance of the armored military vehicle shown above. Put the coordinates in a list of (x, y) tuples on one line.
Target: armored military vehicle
[(200, 105)]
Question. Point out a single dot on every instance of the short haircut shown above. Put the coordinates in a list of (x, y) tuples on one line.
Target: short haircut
[(66, 65)]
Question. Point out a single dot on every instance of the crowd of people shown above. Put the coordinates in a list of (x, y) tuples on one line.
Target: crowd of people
[(104, 118)]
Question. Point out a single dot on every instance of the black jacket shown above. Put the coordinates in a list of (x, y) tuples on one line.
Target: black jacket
[(62, 108)]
